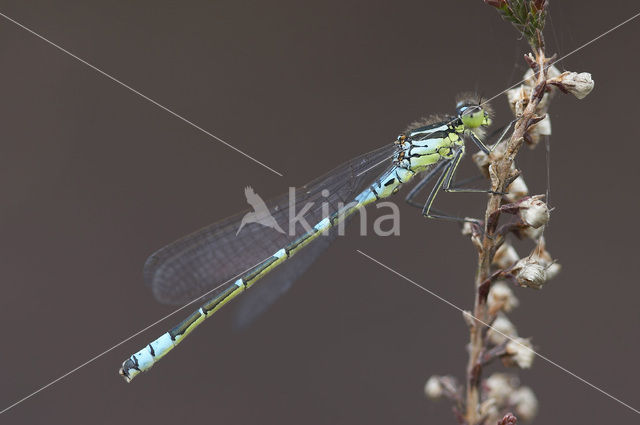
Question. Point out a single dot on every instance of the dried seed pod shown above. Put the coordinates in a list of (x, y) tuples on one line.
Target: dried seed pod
[(468, 318), (501, 330), (501, 297), (525, 403), (518, 99), (489, 410), (505, 256), (482, 161), (470, 228), (433, 388), (542, 256), (552, 270), (539, 129), (578, 84), (530, 273), (517, 190), (520, 353), (499, 387), (534, 211), (532, 233)]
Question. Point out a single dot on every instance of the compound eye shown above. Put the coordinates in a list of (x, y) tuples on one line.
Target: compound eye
[(472, 110), (469, 110)]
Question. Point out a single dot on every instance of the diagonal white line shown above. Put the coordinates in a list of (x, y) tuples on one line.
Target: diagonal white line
[(600, 36), (373, 166), (125, 340), (114, 79), (468, 314)]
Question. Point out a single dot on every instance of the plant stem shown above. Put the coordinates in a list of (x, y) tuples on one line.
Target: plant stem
[(502, 173)]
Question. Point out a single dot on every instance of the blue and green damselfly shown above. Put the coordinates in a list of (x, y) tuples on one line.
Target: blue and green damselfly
[(225, 259)]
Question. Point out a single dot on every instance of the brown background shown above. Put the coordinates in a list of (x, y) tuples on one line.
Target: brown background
[(94, 178)]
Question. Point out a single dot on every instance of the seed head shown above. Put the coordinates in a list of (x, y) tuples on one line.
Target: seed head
[(539, 129), (501, 329), (530, 273), (489, 410), (544, 258), (518, 98), (482, 161), (534, 211), (520, 352), (501, 298), (517, 189), (532, 233), (433, 388), (468, 318), (579, 85), (505, 256), (470, 228), (525, 402), (552, 270), (499, 387)]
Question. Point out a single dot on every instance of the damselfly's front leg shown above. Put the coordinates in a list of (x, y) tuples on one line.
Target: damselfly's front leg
[(446, 171), (450, 186), (476, 140), (484, 148), (444, 178), (444, 182), (415, 191), (449, 181), (425, 180)]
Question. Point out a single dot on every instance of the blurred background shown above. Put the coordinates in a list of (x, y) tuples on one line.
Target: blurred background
[(94, 179)]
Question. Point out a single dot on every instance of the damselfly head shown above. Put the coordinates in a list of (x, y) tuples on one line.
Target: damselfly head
[(472, 111)]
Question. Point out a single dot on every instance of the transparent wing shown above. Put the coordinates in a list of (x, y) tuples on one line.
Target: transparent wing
[(275, 284), (192, 265)]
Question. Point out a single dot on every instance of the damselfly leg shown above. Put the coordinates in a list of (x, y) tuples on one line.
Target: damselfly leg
[(422, 183), (443, 181)]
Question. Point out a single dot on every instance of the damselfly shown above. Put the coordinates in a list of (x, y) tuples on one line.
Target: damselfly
[(224, 260)]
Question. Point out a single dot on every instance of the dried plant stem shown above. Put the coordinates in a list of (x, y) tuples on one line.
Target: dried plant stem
[(502, 173)]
